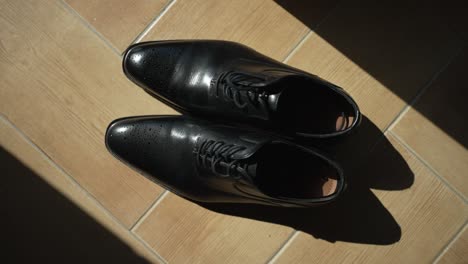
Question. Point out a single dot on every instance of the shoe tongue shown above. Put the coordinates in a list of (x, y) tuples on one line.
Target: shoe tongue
[(270, 80), (252, 143), (273, 82), (273, 101), (252, 169)]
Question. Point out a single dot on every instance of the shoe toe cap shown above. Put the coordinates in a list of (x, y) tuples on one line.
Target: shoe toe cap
[(138, 141), (151, 65), (147, 144), (121, 139)]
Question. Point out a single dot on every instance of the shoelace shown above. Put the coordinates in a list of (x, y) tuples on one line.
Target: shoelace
[(217, 154), (231, 84)]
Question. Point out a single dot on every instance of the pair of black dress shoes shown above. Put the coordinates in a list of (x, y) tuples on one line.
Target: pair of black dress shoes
[(236, 141)]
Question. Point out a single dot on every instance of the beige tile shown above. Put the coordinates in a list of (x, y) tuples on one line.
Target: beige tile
[(13, 142), (381, 56), (436, 125), (119, 21), (62, 86), (428, 213), (457, 253), (183, 232), (260, 24)]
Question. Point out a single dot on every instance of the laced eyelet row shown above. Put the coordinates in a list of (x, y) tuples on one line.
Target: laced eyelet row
[(231, 85), (216, 155)]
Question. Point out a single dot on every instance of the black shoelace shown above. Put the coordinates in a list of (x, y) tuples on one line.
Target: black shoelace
[(232, 84), (217, 156)]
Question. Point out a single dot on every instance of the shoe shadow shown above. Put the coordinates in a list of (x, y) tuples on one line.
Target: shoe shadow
[(369, 161)]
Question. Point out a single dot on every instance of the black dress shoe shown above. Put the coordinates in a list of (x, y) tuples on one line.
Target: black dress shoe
[(231, 82), (206, 162)]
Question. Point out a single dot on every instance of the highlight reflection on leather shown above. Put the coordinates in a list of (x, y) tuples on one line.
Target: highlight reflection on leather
[(210, 162), (224, 80)]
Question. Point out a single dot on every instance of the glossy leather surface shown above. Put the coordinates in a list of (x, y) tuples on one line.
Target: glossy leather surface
[(173, 152), (222, 80)]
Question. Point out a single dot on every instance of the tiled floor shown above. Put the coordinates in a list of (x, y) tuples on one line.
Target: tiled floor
[(60, 66)]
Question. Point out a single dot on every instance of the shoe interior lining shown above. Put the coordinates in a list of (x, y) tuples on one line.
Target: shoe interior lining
[(308, 107), (289, 172)]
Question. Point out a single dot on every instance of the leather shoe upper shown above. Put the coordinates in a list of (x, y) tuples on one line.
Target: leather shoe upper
[(229, 81), (209, 162)]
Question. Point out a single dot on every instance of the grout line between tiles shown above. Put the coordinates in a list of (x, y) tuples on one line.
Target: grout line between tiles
[(77, 185), (139, 37), (150, 209), (298, 46), (450, 243), (90, 27), (398, 117), (425, 163), (153, 22), (306, 36), (149, 247), (285, 245), (423, 90)]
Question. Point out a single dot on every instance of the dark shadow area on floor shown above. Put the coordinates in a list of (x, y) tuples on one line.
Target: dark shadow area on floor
[(445, 100), (403, 48), (369, 161), (41, 225)]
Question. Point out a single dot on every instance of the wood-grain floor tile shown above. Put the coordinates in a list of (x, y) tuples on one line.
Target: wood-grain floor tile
[(119, 21), (428, 213), (457, 253), (260, 24), (13, 142), (381, 56), (62, 86), (436, 126), (183, 232)]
